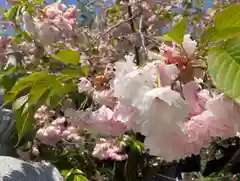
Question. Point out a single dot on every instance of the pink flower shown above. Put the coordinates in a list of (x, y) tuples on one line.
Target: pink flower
[(78, 117), (62, 24), (127, 115), (105, 97), (203, 96), (190, 91), (108, 149), (102, 122), (220, 119), (54, 9), (199, 128), (70, 13), (57, 22), (224, 107), (49, 135), (167, 73), (173, 56)]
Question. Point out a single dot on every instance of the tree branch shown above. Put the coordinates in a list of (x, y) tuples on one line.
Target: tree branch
[(136, 49)]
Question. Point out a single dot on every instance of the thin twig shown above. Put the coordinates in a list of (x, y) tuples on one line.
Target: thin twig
[(136, 49), (142, 36), (115, 26)]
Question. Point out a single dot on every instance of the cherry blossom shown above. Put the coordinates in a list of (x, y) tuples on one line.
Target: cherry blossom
[(189, 45), (108, 149)]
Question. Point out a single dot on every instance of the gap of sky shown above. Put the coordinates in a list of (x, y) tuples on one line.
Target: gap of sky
[(3, 3)]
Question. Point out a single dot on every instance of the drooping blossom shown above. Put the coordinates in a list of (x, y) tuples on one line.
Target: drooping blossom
[(108, 149), (187, 124), (188, 120), (161, 110)]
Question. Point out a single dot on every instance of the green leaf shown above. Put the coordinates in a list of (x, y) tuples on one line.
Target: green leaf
[(40, 87), (228, 18), (134, 144), (24, 123), (11, 13), (80, 178), (7, 77), (22, 84), (68, 175), (19, 12), (74, 72), (64, 173), (73, 175), (67, 56), (226, 25), (38, 1), (77, 171), (207, 35), (27, 36), (58, 92), (213, 35), (224, 68), (25, 108), (176, 34), (20, 102)]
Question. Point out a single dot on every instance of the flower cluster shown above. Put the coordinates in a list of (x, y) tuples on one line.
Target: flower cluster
[(56, 22), (108, 149), (165, 100), (54, 130), (176, 122)]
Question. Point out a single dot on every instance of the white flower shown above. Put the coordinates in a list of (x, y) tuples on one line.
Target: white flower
[(47, 32), (78, 117), (129, 87), (189, 45), (133, 85), (44, 31), (123, 68), (162, 108)]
